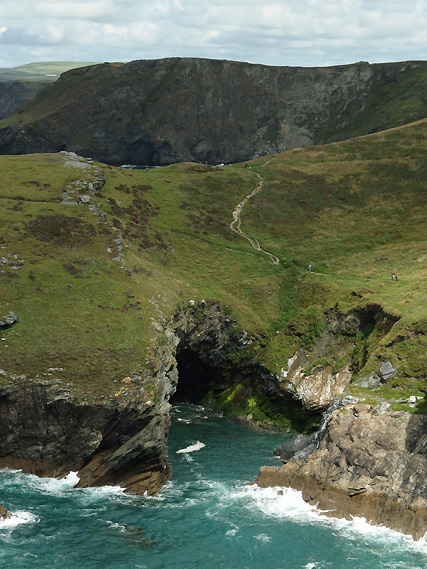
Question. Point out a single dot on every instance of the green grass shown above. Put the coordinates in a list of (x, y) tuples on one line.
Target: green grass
[(354, 210), (40, 71)]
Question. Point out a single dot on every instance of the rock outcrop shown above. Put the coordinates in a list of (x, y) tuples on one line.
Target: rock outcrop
[(369, 462), (172, 110), (310, 375), (4, 514), (316, 390), (46, 431)]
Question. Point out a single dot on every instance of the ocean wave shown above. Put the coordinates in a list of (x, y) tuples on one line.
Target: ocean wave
[(288, 503), (17, 518)]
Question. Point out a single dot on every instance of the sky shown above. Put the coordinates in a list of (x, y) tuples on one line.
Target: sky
[(308, 33)]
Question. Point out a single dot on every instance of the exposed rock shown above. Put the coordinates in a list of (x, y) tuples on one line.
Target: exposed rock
[(289, 449), (8, 320), (316, 390), (316, 384), (4, 514), (45, 431), (174, 110), (13, 94), (387, 371), (371, 381), (371, 462)]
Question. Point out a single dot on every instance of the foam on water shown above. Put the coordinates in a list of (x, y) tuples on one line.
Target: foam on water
[(288, 503), (233, 525), (17, 518), (192, 448)]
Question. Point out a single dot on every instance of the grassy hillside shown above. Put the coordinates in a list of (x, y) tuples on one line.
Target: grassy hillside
[(40, 71), (354, 210)]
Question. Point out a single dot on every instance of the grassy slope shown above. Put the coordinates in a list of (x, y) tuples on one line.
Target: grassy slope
[(354, 210), (392, 102), (40, 71)]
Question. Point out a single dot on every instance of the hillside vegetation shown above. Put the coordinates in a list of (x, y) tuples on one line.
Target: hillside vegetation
[(39, 71), (18, 85), (354, 211), (159, 112)]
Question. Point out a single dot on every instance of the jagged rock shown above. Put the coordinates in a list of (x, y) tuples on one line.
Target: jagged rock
[(46, 431), (387, 371), (290, 448), (316, 390), (371, 381), (368, 463), (317, 386), (8, 320)]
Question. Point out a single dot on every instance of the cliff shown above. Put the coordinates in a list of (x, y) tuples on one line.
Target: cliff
[(173, 110), (48, 432), (369, 462), (13, 94)]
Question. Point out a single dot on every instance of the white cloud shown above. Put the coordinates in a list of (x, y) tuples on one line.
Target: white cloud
[(278, 32)]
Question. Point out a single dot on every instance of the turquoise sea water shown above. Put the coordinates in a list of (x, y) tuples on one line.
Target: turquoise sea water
[(206, 517)]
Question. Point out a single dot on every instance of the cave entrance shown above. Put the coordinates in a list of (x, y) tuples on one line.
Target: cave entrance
[(195, 378)]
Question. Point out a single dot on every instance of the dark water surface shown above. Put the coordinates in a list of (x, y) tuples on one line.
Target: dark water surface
[(205, 518)]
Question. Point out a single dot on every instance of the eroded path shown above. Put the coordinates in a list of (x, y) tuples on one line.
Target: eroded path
[(235, 225)]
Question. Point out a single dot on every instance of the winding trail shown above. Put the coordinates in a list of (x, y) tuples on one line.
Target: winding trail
[(236, 223)]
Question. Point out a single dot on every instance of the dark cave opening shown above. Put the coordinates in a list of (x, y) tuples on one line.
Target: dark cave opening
[(195, 378)]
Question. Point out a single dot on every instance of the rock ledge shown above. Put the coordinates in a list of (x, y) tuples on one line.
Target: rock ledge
[(369, 463)]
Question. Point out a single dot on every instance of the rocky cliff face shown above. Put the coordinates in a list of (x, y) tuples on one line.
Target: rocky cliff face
[(368, 461), (315, 376), (13, 94), (171, 110), (45, 430)]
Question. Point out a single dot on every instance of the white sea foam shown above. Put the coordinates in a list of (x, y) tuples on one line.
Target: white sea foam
[(16, 519), (116, 526), (263, 537), (231, 532), (288, 503), (191, 448), (107, 491)]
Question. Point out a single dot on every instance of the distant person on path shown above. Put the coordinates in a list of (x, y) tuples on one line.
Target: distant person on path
[(309, 268), (394, 276)]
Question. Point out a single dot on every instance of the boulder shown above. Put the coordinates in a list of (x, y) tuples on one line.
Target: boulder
[(387, 371), (4, 514), (8, 320)]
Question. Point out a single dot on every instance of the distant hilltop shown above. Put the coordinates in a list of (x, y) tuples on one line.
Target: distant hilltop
[(39, 71), (18, 85), (156, 112)]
